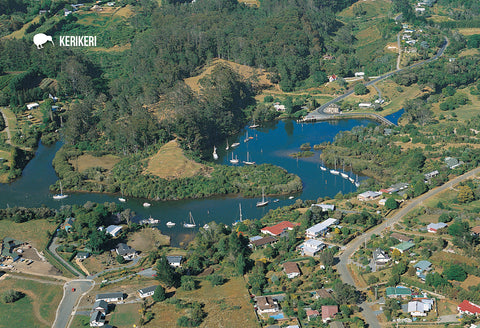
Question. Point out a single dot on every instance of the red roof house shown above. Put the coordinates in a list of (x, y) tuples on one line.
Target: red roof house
[(312, 314), (328, 312), (279, 229), (468, 308)]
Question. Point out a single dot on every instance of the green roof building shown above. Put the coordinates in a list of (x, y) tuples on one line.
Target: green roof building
[(394, 292), (405, 246)]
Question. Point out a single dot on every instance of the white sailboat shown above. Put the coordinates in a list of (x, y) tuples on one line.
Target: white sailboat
[(60, 195), (343, 174), (263, 202), (192, 222), (227, 148), (122, 199), (234, 160), (146, 204), (335, 170), (170, 224), (235, 144), (215, 156), (240, 219), (351, 180), (247, 139), (253, 126), (247, 162)]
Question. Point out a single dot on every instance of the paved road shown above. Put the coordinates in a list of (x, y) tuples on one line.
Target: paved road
[(399, 58), (319, 111), (9, 136), (69, 301), (344, 258), (53, 248)]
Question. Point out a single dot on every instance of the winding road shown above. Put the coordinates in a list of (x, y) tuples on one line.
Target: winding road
[(351, 247)]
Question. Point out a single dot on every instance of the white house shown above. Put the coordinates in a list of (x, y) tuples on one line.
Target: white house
[(175, 261), (311, 247), (434, 227), (419, 309), (147, 291), (325, 207), (110, 297), (320, 229), (113, 230), (359, 74), (32, 106), (365, 105), (380, 257), (126, 251), (368, 195)]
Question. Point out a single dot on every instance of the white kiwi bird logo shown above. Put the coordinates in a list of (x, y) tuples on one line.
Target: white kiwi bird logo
[(40, 39)]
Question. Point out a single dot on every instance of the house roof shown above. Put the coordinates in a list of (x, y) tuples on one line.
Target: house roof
[(69, 221), (265, 303), (100, 304), (422, 265), (291, 267), (321, 226), (400, 237), (336, 324), (109, 295), (97, 316), (469, 306), (370, 194), (404, 291), (406, 245), (311, 312), (124, 249), (476, 229), (254, 238), (264, 241), (323, 293), (82, 254), (313, 243), (277, 229), (417, 306), (328, 311), (113, 229), (380, 254), (174, 259), (436, 226), (147, 289)]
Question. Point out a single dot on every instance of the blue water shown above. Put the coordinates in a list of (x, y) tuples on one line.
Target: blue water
[(271, 143)]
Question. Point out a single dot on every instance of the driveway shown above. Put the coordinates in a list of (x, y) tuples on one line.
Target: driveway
[(69, 300)]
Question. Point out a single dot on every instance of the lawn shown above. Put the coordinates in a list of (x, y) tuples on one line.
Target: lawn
[(170, 162), (87, 161), (395, 97), (34, 232), (227, 303), (374, 9), (125, 315), (41, 302), (21, 32), (470, 281), (469, 31), (148, 239)]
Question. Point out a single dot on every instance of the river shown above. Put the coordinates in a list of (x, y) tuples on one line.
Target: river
[(271, 143)]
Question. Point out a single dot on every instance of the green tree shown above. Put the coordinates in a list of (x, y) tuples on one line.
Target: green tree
[(97, 241), (11, 296), (360, 89), (120, 259), (159, 294), (391, 204), (455, 272), (187, 283), (216, 279), (465, 194), (419, 188), (165, 273)]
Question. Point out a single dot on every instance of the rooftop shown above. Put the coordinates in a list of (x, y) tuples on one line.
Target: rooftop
[(406, 245), (321, 226), (423, 265), (291, 267), (277, 229)]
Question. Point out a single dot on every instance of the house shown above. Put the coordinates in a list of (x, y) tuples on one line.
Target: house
[(100, 306), (452, 162), (476, 230), (262, 242), (66, 12), (368, 195), (359, 74), (266, 304), (328, 57), (382, 202), (365, 105), (110, 297), (328, 312), (387, 190), (400, 237), (8, 248), (312, 314), (421, 268), (291, 269), (97, 319), (126, 251), (380, 257), (400, 291), (322, 293), (82, 255), (325, 207), (420, 9), (469, 308), (147, 291), (434, 227), (332, 78), (336, 324), (430, 175), (419, 308), (32, 106), (311, 247), (279, 229), (320, 229), (113, 230), (278, 107), (402, 247), (333, 109), (399, 186), (175, 260), (411, 42), (68, 224)]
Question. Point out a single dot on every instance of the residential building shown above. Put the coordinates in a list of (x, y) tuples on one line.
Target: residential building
[(430, 175), (400, 237), (281, 229), (262, 242), (365, 105), (175, 260), (291, 269), (278, 107), (32, 106), (322, 293), (419, 308), (399, 291), (328, 312), (452, 162), (266, 304), (402, 247), (113, 230), (97, 319), (100, 306), (380, 257), (333, 109), (368, 195), (434, 227), (82, 255), (147, 291), (325, 207), (422, 267), (312, 314), (332, 78), (467, 307), (311, 247), (359, 74), (126, 251), (68, 224), (110, 297), (320, 229), (476, 230)]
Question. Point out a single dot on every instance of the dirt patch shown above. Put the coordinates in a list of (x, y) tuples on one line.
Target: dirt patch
[(392, 47), (87, 161), (124, 11), (208, 271), (470, 281), (148, 239), (170, 163), (258, 76)]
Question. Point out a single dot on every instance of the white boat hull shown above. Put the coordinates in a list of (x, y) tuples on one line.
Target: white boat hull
[(189, 225), (344, 175), (62, 196), (147, 204), (171, 224), (123, 200), (323, 168), (236, 144), (261, 204), (334, 172)]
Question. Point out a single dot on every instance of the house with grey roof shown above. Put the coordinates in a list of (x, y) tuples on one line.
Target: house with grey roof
[(100, 306), (82, 255), (380, 257), (175, 260), (402, 247), (113, 230), (97, 319), (147, 291), (452, 162), (434, 227), (126, 251), (422, 267), (110, 297)]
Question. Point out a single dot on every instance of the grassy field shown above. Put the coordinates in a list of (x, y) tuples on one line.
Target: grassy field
[(41, 302), (170, 162), (470, 281), (469, 31), (21, 32), (397, 98), (374, 9), (148, 239), (438, 257), (229, 303), (125, 315), (34, 232), (87, 161)]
